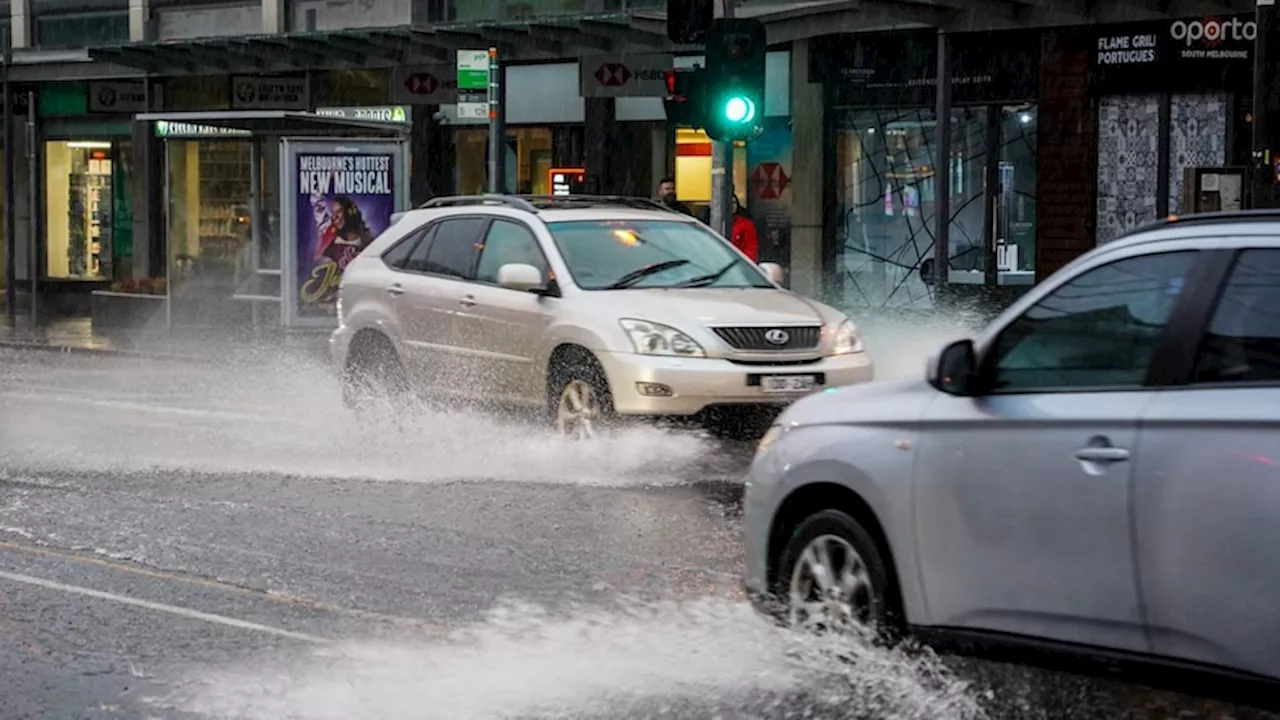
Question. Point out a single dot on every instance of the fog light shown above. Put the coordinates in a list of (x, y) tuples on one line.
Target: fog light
[(654, 389)]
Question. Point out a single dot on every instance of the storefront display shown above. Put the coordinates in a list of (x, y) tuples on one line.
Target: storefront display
[(339, 197), (81, 207)]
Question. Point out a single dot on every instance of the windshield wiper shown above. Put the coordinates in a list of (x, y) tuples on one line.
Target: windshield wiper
[(639, 274), (710, 278)]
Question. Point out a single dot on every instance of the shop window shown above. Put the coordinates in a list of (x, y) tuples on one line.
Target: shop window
[(80, 184), (210, 253), (529, 158), (1128, 129), (81, 30), (693, 170), (885, 203), (1197, 138)]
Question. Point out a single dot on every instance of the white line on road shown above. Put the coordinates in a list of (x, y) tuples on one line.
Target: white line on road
[(161, 607)]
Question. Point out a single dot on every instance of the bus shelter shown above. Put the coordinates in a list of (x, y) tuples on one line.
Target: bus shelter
[(264, 209)]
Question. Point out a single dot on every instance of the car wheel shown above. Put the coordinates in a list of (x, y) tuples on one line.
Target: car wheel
[(373, 375), (581, 405), (832, 577)]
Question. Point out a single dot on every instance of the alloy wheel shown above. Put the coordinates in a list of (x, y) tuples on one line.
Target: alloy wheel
[(578, 412), (830, 587)]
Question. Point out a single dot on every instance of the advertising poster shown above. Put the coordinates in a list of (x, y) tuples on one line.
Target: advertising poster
[(344, 201), (769, 198)]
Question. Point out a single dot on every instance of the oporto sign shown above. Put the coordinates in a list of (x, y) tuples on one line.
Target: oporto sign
[(1213, 31)]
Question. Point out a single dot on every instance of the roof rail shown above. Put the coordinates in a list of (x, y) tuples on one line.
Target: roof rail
[(639, 203), (463, 200), (1251, 215)]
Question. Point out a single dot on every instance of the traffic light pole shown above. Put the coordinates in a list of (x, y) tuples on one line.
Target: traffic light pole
[(1266, 108), (722, 174)]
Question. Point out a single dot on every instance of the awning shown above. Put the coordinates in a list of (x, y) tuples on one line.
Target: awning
[(536, 39), (267, 122)]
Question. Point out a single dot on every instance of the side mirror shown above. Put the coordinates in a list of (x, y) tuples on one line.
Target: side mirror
[(954, 370), (520, 276), (773, 271)]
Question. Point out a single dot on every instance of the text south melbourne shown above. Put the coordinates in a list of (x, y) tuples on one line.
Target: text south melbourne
[(344, 174)]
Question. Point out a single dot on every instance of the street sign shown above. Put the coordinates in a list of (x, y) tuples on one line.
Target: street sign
[(631, 75), (473, 80)]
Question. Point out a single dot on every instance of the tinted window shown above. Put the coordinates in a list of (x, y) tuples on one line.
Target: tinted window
[(417, 261), (398, 255), (1100, 329), (600, 253), (508, 242), (1242, 342), (453, 249)]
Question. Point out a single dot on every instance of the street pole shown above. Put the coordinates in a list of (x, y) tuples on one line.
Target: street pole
[(497, 151), (10, 214), (722, 173), (33, 206), (1266, 105), (942, 168)]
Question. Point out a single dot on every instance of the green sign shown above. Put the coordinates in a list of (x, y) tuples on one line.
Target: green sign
[(473, 70), (387, 113), (169, 129)]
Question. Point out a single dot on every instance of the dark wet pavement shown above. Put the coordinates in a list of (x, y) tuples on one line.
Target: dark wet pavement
[(225, 542)]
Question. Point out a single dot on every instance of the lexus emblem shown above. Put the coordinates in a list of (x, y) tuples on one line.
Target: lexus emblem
[(777, 336)]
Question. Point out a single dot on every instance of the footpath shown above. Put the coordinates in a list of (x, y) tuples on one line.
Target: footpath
[(77, 335)]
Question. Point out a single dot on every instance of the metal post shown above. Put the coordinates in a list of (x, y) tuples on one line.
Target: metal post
[(255, 223), (33, 206), (1266, 106), (991, 183), (942, 167), (497, 133), (722, 174), (10, 214)]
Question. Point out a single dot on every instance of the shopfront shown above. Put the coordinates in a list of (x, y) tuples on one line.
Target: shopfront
[(1171, 95), (882, 156)]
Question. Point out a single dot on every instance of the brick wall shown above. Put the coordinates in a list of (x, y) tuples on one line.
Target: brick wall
[(1067, 153)]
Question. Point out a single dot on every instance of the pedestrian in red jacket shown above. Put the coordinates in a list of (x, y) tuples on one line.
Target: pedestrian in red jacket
[(743, 234)]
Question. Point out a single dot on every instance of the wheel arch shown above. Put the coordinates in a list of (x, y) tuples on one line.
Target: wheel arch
[(819, 495)]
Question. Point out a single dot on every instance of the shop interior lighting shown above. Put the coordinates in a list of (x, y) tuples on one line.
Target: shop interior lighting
[(1025, 118), (89, 144)]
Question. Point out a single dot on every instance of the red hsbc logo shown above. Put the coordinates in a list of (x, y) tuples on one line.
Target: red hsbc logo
[(421, 83), (613, 74)]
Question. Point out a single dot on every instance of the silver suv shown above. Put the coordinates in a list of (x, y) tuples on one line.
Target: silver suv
[(589, 307)]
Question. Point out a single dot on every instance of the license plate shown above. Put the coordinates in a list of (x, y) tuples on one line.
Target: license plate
[(788, 383)]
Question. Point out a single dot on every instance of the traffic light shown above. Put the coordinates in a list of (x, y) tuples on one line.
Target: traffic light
[(735, 79), (688, 21), (686, 97)]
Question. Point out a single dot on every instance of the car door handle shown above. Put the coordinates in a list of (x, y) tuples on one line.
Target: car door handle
[(467, 301), (1102, 454), (396, 290)]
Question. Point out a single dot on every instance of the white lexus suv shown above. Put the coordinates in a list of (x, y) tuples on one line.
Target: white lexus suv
[(588, 307)]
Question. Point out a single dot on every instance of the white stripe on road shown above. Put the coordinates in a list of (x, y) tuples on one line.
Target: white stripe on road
[(161, 607)]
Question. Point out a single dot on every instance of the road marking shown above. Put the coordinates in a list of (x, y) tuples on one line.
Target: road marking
[(216, 585), (161, 607)]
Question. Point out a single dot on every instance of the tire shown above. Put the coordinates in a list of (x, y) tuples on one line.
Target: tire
[(373, 375), (872, 604), (580, 375)]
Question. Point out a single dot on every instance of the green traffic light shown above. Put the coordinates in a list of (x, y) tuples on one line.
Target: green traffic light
[(740, 110)]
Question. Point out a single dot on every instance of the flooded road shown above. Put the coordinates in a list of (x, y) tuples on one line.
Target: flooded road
[(226, 542)]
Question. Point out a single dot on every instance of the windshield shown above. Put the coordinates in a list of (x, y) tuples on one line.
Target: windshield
[(618, 254)]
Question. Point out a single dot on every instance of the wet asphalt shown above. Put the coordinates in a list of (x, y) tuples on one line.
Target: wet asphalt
[(181, 541)]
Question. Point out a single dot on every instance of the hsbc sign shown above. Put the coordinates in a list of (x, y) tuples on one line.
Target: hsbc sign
[(424, 85), (639, 75)]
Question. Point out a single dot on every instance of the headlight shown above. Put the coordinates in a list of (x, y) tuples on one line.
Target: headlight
[(769, 438), (846, 340), (650, 338)]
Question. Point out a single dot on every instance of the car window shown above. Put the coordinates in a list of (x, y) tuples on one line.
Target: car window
[(453, 249), (1099, 330), (508, 242), (1242, 342), (608, 254), (397, 256), (417, 261)]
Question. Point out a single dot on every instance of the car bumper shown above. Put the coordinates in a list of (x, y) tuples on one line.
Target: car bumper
[(694, 384)]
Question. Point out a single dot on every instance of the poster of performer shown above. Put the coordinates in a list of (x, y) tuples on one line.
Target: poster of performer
[(344, 201)]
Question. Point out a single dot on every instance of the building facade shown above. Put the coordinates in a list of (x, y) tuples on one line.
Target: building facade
[(1066, 130)]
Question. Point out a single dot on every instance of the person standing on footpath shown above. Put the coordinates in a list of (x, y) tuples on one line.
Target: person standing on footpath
[(743, 234), (667, 196)]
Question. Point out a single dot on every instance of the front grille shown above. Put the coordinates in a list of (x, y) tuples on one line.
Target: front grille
[(755, 338)]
